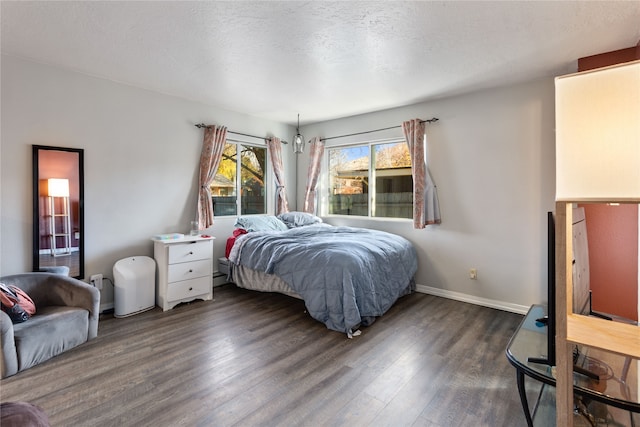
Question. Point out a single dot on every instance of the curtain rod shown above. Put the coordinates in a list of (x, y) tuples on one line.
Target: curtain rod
[(434, 119), (202, 125)]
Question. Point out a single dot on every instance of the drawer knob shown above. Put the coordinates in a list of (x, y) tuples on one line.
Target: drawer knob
[(191, 253), (190, 289), (190, 271)]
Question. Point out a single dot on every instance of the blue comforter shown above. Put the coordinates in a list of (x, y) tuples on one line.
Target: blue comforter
[(347, 276)]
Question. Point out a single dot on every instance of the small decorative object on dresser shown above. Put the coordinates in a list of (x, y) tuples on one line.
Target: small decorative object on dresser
[(185, 270)]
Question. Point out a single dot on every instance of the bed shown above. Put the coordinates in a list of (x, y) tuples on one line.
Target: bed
[(346, 276)]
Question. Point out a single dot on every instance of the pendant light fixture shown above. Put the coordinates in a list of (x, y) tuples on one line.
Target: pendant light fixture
[(298, 140)]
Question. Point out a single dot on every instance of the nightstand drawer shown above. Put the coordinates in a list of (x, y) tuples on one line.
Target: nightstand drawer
[(188, 288), (185, 252), (189, 270)]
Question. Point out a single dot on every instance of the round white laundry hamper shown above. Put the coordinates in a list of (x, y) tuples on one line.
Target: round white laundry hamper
[(135, 285)]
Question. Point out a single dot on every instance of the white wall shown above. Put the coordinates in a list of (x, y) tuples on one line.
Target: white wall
[(141, 155), (492, 157)]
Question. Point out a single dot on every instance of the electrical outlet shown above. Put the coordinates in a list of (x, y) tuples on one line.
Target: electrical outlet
[(473, 273), (96, 281)]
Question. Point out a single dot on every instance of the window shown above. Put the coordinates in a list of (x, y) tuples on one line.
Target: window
[(239, 187), (372, 179)]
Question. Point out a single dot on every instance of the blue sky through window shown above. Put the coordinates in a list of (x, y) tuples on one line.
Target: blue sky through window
[(353, 153)]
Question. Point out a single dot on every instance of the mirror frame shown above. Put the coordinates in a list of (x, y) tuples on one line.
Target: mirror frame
[(36, 149)]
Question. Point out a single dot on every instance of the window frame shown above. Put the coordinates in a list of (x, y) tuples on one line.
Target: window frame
[(324, 182), (268, 176)]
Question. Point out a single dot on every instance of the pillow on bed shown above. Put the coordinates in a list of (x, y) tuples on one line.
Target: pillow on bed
[(299, 219), (260, 223)]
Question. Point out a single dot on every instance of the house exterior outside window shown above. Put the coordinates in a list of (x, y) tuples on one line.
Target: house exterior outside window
[(371, 179)]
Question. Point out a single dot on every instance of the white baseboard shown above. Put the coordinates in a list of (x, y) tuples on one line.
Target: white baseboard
[(457, 296), (472, 299)]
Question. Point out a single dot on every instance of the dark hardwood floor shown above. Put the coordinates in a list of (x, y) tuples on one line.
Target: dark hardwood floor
[(250, 358)]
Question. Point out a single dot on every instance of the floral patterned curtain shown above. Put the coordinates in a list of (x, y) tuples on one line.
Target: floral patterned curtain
[(426, 209), (317, 151), (275, 152), (215, 137)]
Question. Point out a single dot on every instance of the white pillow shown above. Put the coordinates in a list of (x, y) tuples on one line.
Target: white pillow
[(260, 223), (299, 219)]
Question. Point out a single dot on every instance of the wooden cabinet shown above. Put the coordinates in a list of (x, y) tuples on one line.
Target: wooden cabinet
[(185, 270)]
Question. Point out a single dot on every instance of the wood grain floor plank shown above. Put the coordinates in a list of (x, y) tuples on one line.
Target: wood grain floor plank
[(257, 359)]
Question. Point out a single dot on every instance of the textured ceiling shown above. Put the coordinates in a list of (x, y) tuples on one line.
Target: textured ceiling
[(324, 60)]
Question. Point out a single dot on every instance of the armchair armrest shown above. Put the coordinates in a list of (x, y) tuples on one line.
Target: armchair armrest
[(9, 357)]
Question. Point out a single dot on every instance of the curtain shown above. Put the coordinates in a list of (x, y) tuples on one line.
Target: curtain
[(275, 152), (215, 137), (426, 209), (317, 151)]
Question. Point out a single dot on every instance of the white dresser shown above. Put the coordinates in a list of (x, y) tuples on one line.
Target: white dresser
[(185, 270)]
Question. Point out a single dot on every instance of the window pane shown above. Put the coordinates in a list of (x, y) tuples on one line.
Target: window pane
[(252, 175), (349, 181), (223, 188), (393, 182)]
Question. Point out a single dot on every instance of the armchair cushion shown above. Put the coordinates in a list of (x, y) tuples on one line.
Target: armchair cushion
[(52, 331), (67, 313)]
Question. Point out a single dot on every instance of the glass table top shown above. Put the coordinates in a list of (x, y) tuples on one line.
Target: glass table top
[(618, 376)]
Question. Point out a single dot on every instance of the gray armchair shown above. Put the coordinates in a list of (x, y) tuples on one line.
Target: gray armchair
[(67, 313)]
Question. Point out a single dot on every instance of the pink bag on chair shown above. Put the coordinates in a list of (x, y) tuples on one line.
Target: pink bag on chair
[(16, 303)]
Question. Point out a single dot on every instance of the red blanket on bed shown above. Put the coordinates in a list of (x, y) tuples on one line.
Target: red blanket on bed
[(231, 240)]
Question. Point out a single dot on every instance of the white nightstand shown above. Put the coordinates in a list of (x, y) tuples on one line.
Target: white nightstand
[(185, 270)]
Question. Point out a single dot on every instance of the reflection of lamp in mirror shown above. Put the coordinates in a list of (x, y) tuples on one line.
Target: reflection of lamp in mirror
[(60, 221)]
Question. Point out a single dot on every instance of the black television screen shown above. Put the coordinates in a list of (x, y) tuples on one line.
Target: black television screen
[(550, 319), (551, 289), (579, 238)]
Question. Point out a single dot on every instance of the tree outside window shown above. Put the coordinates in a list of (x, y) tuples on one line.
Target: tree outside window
[(240, 190)]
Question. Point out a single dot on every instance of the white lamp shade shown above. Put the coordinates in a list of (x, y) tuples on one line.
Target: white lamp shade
[(598, 134), (58, 187)]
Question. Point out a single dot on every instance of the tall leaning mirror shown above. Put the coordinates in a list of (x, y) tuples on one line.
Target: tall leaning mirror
[(58, 209)]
